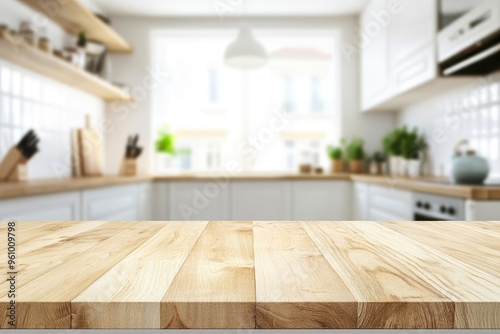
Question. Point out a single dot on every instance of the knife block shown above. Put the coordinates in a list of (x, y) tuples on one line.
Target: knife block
[(14, 166), (20, 172), (128, 167)]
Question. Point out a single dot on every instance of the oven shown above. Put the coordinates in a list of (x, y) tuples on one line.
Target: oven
[(427, 207)]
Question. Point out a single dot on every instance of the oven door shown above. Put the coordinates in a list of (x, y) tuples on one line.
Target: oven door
[(419, 217)]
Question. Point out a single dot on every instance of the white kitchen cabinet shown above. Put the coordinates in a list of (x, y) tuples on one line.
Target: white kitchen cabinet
[(375, 74), (386, 203), (482, 210), (111, 203), (321, 200), (62, 206), (400, 51), (198, 201), (412, 45), (361, 201), (145, 200), (263, 200)]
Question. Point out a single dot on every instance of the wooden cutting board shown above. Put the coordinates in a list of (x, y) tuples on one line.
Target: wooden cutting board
[(90, 145)]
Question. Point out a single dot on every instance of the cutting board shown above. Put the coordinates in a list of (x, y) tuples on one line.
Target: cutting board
[(90, 145)]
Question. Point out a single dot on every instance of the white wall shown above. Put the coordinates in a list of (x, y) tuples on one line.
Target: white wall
[(30, 101), (471, 113), (133, 70)]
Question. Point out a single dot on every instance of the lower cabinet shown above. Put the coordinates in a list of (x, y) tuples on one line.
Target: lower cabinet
[(361, 198), (324, 200), (61, 206), (195, 201), (126, 202), (261, 200), (253, 200), (112, 203), (391, 204)]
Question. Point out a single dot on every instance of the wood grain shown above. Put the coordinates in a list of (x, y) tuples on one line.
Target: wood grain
[(458, 244), (215, 287), (128, 296), (277, 275), (473, 291), (295, 285), (45, 301), (390, 295)]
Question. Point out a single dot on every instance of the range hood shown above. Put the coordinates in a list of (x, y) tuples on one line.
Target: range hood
[(471, 44)]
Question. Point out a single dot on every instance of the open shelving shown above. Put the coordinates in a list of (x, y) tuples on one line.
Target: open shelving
[(18, 52), (74, 17)]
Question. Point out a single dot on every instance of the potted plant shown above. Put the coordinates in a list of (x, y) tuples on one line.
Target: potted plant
[(376, 163), (355, 155), (392, 148), (165, 146), (336, 154), (413, 147)]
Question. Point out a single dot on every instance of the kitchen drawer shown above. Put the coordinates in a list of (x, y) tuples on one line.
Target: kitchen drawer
[(389, 204), (266, 200), (64, 206), (187, 201), (110, 203), (321, 200), (361, 201)]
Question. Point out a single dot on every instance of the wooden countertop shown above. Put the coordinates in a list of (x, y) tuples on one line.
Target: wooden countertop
[(277, 275), (48, 186), (40, 187), (423, 185)]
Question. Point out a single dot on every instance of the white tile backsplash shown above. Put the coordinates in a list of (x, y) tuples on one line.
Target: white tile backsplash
[(28, 100), (472, 113)]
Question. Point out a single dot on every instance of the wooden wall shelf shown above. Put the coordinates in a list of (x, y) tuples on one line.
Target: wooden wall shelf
[(75, 18), (18, 52)]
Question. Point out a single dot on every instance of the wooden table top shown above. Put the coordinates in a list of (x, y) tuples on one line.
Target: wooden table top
[(275, 275)]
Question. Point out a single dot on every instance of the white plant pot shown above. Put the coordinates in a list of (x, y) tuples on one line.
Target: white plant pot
[(165, 163), (414, 167), (394, 165)]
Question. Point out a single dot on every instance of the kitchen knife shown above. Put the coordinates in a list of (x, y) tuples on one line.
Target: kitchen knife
[(137, 152)]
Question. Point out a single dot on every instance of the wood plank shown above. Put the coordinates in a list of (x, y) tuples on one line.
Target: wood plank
[(473, 291), (295, 286), (41, 255), (390, 296), (46, 301), (216, 286), (75, 18), (483, 226), (18, 52), (128, 296), (476, 248)]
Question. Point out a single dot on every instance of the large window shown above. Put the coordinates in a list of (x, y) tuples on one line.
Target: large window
[(270, 119)]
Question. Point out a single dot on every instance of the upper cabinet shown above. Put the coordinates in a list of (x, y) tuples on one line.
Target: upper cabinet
[(375, 81), (399, 63)]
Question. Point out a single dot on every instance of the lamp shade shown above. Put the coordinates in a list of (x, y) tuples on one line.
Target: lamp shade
[(245, 52)]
